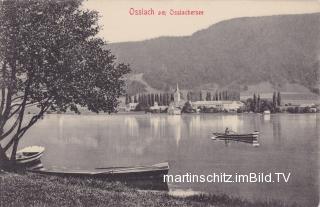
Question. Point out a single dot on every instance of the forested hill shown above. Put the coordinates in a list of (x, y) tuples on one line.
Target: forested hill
[(237, 52)]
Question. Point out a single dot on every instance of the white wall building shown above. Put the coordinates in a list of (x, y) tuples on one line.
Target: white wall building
[(131, 106), (222, 105)]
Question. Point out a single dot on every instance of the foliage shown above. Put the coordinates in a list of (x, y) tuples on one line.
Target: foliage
[(208, 97), (210, 110), (147, 100), (256, 104), (297, 109), (279, 99), (50, 58), (187, 108)]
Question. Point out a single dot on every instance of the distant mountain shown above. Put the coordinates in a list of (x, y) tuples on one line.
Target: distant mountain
[(235, 53)]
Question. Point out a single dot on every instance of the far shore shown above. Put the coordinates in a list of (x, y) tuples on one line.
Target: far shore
[(150, 113)]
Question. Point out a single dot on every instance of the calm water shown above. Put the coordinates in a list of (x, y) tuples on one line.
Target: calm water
[(288, 143)]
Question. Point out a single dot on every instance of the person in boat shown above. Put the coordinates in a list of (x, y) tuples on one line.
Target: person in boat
[(227, 131)]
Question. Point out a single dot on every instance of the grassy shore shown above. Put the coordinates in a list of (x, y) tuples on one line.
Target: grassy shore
[(41, 190)]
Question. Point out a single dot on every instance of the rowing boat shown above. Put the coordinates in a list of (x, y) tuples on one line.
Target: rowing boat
[(153, 172), (29, 157), (224, 136)]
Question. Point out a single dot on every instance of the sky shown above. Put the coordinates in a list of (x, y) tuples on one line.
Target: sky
[(119, 26)]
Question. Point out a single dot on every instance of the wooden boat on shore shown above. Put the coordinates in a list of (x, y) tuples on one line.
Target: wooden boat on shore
[(235, 136), (29, 157), (153, 172)]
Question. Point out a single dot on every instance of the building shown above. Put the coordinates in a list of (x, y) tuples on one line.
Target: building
[(177, 96), (175, 106), (220, 105), (173, 110), (131, 106), (157, 108)]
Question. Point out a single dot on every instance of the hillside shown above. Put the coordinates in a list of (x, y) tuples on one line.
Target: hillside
[(235, 53)]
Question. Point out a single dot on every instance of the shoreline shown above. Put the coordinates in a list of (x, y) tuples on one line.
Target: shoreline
[(39, 190), (150, 113)]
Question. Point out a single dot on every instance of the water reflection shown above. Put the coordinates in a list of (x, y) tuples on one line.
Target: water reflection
[(71, 137), (60, 127), (253, 142), (175, 126), (233, 122), (132, 126), (194, 125), (287, 141), (266, 117), (276, 131)]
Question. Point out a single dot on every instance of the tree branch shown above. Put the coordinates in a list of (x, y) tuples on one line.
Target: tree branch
[(8, 99), (3, 97), (16, 98), (5, 134), (33, 120)]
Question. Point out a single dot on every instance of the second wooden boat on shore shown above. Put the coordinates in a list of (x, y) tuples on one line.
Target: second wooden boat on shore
[(153, 172)]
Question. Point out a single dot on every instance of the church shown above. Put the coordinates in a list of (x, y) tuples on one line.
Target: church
[(176, 105)]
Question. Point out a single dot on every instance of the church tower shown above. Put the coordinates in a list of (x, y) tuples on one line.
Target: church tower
[(176, 96)]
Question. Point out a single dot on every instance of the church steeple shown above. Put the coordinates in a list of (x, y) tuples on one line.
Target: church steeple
[(177, 95)]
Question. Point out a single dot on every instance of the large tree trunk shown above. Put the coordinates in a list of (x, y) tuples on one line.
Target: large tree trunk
[(4, 160), (14, 149)]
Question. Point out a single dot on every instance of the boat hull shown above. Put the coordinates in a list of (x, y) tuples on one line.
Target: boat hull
[(119, 176), (122, 173), (29, 157), (249, 136), (142, 177)]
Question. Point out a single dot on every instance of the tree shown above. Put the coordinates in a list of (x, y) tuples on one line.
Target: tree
[(208, 97), (127, 99), (249, 104), (160, 99), (135, 100), (191, 97), (51, 59), (167, 99), (200, 96), (149, 100), (188, 96), (130, 99), (258, 108), (254, 103), (274, 100), (157, 98), (152, 99), (279, 99), (187, 108), (146, 98), (164, 99), (266, 105)]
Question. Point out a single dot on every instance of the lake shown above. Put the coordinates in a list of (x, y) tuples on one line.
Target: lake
[(289, 143)]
